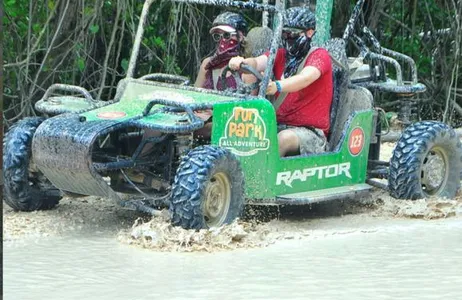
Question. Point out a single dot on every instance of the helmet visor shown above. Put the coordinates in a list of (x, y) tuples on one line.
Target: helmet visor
[(225, 28)]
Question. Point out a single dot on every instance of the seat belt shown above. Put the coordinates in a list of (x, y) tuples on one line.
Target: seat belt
[(282, 96), (216, 73)]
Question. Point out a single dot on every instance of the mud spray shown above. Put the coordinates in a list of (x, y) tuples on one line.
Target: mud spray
[(260, 227), (160, 235), (261, 230)]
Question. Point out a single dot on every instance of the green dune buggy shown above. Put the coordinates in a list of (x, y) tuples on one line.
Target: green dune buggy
[(94, 147)]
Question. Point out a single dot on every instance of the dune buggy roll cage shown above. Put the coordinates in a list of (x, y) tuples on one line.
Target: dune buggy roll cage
[(276, 9), (378, 56)]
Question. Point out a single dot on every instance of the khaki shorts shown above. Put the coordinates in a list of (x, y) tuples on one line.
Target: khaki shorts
[(312, 140)]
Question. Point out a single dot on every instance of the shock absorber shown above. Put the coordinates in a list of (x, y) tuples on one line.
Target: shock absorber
[(183, 143), (407, 109)]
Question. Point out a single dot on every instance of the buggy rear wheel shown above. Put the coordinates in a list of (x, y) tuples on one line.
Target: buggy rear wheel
[(426, 162), (25, 188), (208, 190)]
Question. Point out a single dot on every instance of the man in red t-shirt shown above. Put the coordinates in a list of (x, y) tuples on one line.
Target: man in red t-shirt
[(304, 78)]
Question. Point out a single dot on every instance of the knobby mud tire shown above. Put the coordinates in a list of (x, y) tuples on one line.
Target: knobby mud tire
[(192, 184), (22, 191), (407, 172)]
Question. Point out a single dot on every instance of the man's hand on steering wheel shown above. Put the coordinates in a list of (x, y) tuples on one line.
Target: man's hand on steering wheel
[(236, 66), (235, 63)]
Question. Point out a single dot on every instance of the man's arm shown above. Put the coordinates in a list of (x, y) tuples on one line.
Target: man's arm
[(259, 63), (297, 82), (200, 79)]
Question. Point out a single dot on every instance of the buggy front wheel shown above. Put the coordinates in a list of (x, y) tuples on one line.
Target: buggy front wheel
[(208, 190)]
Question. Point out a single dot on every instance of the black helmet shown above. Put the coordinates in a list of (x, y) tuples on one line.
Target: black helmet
[(300, 17), (234, 20), (297, 47)]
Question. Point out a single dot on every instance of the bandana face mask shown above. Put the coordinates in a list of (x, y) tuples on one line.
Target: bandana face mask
[(227, 46), (297, 45), (296, 42)]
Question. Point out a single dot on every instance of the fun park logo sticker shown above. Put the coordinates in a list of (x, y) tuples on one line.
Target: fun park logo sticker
[(245, 132), (356, 141)]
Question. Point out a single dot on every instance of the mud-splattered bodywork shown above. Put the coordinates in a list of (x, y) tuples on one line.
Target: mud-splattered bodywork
[(78, 151)]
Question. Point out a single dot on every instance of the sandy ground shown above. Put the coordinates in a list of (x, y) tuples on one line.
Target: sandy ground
[(260, 226), (72, 215)]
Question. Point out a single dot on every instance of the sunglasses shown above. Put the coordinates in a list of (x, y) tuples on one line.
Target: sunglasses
[(225, 35), (291, 33)]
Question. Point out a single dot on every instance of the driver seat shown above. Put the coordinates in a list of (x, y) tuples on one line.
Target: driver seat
[(346, 98)]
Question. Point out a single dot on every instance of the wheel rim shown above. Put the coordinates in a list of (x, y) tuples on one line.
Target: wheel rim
[(218, 199), (434, 171)]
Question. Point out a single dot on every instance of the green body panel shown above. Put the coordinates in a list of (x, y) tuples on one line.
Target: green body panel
[(249, 130), (138, 93), (256, 147)]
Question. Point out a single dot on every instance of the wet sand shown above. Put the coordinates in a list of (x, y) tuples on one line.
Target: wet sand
[(376, 247), (71, 216), (328, 252)]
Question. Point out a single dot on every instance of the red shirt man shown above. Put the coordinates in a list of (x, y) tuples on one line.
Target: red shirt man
[(310, 106), (306, 80)]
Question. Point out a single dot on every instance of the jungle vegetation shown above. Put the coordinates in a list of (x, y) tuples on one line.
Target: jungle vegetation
[(87, 43)]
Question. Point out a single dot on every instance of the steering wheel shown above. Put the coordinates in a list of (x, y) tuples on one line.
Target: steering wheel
[(241, 86), (181, 80)]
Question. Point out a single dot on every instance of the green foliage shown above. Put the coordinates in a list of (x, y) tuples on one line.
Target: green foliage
[(51, 5), (124, 64), (158, 42), (80, 64), (176, 39), (94, 29)]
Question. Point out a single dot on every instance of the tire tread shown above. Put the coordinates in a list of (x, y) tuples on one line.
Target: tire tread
[(16, 156), (404, 173)]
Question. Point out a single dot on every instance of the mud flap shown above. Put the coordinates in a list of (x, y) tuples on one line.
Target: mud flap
[(61, 149)]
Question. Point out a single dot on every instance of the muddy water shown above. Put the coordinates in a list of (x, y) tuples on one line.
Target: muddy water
[(339, 257), (374, 248)]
